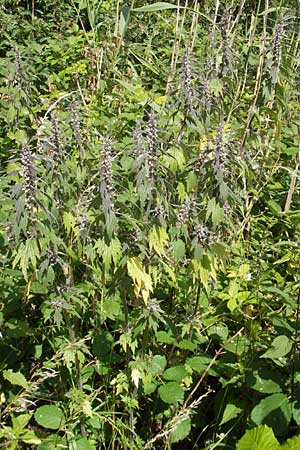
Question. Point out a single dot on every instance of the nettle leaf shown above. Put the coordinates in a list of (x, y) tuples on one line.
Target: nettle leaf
[(171, 393), (178, 250), (199, 363), (176, 373), (231, 412), (49, 416), (181, 431), (158, 364), (264, 380), (259, 438), (165, 338), (16, 378), (275, 411), (280, 347)]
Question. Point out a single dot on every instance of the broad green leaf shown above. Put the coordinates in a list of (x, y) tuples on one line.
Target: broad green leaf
[(185, 344), (176, 373), (178, 249), (181, 431), (20, 422), (280, 347), (171, 393), (263, 380), (274, 411), (16, 378), (49, 416), (199, 363), (231, 412), (259, 438), (165, 338), (102, 345), (158, 364), (29, 437), (158, 6)]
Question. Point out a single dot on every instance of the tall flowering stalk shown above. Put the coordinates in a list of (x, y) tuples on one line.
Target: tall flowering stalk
[(277, 50), (56, 148), (28, 173), (220, 150), (107, 190), (188, 91), (226, 47), (76, 127), (185, 212), (152, 141)]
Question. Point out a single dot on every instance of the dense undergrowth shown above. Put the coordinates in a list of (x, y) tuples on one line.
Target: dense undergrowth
[(149, 218)]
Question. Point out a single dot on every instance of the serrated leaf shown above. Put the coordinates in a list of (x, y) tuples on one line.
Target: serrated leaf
[(231, 412), (165, 338), (181, 431), (158, 240), (263, 380), (171, 393), (142, 280), (158, 6), (20, 422), (259, 438), (176, 373), (291, 444), (158, 364), (178, 249), (16, 378), (199, 363), (49, 416), (274, 411), (280, 347)]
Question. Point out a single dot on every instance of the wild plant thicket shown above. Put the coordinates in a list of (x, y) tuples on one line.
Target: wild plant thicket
[(149, 224)]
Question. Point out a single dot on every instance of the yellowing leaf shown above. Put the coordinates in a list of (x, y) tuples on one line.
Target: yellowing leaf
[(142, 281), (158, 240)]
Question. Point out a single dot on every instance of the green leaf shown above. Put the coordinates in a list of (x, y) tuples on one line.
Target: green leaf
[(171, 393), (53, 442), (259, 438), (49, 416), (16, 378), (29, 437), (280, 347), (181, 431), (199, 363), (165, 338), (158, 365), (178, 250), (159, 6), (275, 411), (216, 86), (20, 422), (102, 345), (176, 373), (291, 444), (263, 380), (231, 411)]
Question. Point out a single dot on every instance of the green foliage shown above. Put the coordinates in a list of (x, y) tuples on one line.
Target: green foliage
[(149, 225)]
